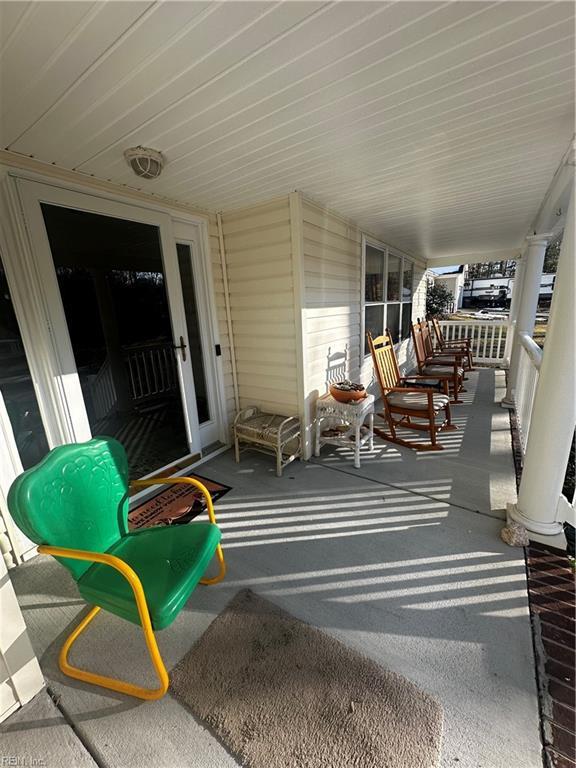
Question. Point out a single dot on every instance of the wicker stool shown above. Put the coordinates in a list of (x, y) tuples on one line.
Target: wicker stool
[(268, 433)]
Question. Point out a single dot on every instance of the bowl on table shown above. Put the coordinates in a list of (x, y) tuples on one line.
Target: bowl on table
[(347, 391)]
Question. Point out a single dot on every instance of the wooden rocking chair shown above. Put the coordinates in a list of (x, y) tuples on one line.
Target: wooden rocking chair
[(405, 406), (442, 357), (462, 346), (431, 364)]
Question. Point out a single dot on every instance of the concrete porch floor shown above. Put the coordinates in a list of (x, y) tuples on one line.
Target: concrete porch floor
[(400, 559)]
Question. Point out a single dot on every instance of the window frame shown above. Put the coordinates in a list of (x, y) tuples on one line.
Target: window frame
[(404, 259)]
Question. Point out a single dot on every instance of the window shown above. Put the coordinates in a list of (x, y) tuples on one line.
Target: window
[(388, 286)]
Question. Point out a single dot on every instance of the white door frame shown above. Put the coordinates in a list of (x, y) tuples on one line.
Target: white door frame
[(32, 194), (18, 547), (190, 234), (45, 340)]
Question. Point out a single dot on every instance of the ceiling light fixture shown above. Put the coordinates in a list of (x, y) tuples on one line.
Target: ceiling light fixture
[(146, 163)]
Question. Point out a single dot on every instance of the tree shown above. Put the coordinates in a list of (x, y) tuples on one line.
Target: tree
[(492, 269), (551, 257), (438, 300)]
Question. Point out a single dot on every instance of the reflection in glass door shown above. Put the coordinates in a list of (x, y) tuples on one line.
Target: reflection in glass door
[(113, 289), (16, 385), (194, 331)]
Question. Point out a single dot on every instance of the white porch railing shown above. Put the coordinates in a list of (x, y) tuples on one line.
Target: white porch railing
[(526, 382), (151, 370), (104, 396), (529, 363), (567, 509), (488, 337)]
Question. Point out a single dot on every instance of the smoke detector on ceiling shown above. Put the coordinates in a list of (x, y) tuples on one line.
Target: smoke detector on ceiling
[(146, 163)]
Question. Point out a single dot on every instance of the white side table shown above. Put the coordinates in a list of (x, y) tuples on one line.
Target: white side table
[(353, 414)]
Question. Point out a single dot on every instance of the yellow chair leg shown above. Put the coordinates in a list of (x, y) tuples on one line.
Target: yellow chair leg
[(222, 572), (111, 682), (140, 598)]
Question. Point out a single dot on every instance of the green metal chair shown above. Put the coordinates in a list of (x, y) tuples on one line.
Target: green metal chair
[(74, 504)]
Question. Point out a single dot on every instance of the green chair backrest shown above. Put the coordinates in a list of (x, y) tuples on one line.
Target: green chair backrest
[(77, 497)]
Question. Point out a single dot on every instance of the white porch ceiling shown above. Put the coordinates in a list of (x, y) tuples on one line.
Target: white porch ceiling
[(437, 126)]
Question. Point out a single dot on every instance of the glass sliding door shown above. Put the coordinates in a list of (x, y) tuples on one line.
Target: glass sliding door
[(112, 284), (130, 342), (201, 330), (195, 340)]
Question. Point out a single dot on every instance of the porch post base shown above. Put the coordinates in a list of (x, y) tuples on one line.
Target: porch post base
[(514, 515)]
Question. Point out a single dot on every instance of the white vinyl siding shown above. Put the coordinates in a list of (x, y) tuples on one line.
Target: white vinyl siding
[(420, 287), (258, 250), (333, 302), (332, 275), (334, 295)]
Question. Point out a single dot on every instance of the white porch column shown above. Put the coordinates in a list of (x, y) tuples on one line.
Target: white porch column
[(528, 304), (514, 306), (554, 409)]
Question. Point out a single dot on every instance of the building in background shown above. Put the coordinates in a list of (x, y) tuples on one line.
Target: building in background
[(453, 279)]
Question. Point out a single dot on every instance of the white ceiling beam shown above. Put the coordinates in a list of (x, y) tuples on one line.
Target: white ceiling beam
[(552, 212)]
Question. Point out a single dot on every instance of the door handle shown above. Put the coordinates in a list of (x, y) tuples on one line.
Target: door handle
[(181, 346)]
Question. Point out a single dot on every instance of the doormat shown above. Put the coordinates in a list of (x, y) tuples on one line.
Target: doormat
[(175, 504), (278, 692)]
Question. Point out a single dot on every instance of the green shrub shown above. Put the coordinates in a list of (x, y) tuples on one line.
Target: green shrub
[(438, 300)]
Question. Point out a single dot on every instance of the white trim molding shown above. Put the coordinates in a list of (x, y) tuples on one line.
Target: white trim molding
[(387, 251), (297, 254)]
